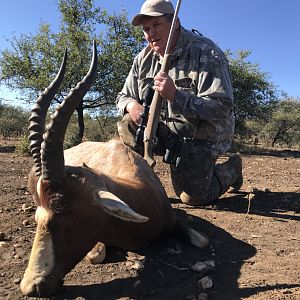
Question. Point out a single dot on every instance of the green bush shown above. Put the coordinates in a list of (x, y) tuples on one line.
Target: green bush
[(22, 147)]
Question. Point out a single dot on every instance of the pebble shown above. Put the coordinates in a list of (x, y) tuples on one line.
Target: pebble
[(26, 208), (210, 263), (205, 283), (97, 254), (26, 222), (202, 296), (17, 281), (199, 266)]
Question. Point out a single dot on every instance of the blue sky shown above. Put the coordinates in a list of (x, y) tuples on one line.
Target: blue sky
[(269, 28)]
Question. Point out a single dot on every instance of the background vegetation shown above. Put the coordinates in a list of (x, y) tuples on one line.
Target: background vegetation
[(263, 115)]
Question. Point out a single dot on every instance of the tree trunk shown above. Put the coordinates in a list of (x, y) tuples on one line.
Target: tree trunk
[(79, 110)]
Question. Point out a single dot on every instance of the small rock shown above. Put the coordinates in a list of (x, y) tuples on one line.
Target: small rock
[(266, 190), (174, 251), (202, 296), (199, 266), (205, 283), (210, 263), (26, 222), (97, 254), (26, 208), (17, 281)]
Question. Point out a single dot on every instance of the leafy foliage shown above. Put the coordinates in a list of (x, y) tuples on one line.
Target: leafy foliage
[(13, 121), (254, 96), (284, 125), (23, 146), (35, 59)]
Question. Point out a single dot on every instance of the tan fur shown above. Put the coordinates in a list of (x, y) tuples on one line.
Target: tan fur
[(109, 195)]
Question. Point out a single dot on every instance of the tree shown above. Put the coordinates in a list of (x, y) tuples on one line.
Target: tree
[(255, 96), (284, 126), (13, 121), (35, 59)]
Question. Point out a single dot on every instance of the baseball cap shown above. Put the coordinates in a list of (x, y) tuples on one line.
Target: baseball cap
[(153, 8)]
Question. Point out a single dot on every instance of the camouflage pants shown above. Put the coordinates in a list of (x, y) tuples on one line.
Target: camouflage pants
[(196, 179), (193, 178)]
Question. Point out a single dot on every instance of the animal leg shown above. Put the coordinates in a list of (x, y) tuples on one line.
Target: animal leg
[(189, 235)]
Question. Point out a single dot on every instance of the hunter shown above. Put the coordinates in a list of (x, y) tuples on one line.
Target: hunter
[(197, 121)]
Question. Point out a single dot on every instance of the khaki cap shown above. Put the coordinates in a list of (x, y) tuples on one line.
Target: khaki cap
[(153, 8)]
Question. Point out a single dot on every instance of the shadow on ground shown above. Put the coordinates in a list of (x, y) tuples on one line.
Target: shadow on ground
[(269, 204), (167, 274)]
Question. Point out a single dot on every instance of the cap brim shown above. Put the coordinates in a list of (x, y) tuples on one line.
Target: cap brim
[(137, 20)]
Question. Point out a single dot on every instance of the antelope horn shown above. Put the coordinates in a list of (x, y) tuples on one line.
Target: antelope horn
[(52, 156), (38, 116)]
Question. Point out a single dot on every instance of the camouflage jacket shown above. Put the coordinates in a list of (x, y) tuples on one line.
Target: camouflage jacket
[(203, 104)]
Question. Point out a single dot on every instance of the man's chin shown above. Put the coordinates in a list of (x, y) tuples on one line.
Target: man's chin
[(158, 50)]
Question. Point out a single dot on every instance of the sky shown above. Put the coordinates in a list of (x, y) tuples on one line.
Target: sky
[(270, 29)]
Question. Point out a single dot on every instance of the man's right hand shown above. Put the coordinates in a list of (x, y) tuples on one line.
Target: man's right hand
[(135, 110)]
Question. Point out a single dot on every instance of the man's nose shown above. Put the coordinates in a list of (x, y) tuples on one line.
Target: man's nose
[(152, 32)]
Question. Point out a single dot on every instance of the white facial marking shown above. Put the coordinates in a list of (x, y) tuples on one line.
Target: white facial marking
[(41, 259)]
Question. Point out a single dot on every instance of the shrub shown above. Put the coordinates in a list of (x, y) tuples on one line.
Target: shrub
[(22, 147)]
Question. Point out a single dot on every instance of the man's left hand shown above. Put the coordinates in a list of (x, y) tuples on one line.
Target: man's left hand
[(164, 84)]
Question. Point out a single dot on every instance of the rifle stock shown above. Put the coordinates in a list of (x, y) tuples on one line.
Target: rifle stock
[(151, 128)]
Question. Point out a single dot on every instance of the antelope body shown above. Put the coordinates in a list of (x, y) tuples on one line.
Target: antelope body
[(92, 192)]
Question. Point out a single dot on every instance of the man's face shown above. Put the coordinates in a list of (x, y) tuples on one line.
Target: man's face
[(156, 31)]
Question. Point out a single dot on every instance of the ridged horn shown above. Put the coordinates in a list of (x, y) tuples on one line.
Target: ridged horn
[(38, 116), (52, 156)]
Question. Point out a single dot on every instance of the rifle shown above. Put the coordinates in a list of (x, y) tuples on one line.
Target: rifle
[(151, 128), (139, 135)]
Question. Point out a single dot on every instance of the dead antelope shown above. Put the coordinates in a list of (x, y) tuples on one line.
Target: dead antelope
[(92, 192)]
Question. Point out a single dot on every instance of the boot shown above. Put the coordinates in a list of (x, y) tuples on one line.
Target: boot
[(230, 174)]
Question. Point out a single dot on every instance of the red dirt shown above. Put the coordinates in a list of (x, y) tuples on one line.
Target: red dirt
[(255, 240)]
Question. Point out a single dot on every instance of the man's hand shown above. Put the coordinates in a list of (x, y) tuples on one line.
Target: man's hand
[(135, 109), (164, 84)]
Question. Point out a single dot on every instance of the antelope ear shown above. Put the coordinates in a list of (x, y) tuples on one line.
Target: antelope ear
[(117, 208)]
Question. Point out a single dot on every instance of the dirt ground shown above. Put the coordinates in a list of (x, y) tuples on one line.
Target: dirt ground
[(255, 240)]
